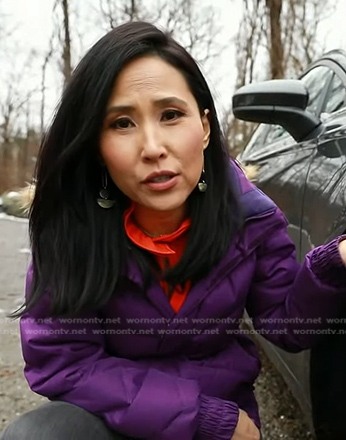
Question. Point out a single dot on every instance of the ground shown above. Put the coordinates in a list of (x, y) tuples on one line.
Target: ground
[(280, 413)]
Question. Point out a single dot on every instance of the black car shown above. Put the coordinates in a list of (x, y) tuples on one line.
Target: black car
[(299, 151)]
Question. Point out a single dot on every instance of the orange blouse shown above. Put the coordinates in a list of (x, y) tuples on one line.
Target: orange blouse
[(168, 249)]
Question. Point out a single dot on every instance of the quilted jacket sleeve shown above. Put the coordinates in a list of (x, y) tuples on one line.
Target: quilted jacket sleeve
[(291, 303), (66, 360)]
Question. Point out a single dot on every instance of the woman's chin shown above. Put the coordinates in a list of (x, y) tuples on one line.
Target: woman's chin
[(164, 204)]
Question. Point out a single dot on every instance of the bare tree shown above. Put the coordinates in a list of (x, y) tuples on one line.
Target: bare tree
[(66, 54), (195, 27), (13, 109), (248, 40), (7, 26), (301, 20), (17, 101), (287, 29), (276, 48), (292, 36), (63, 30), (115, 12), (45, 63), (249, 47), (67, 70)]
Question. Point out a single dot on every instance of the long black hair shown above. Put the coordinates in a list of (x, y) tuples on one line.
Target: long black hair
[(80, 250)]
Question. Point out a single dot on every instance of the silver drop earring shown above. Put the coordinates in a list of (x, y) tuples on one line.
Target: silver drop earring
[(103, 201), (202, 184)]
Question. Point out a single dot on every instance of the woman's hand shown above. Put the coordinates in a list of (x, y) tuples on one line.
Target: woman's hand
[(245, 429)]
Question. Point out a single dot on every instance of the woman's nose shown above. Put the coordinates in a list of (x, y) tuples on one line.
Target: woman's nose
[(153, 145)]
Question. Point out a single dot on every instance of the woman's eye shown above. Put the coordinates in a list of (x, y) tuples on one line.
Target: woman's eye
[(170, 115), (121, 124)]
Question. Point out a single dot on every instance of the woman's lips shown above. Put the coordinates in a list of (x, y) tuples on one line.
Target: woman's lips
[(159, 184)]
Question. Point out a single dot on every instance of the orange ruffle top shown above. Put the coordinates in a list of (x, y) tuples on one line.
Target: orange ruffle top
[(168, 249)]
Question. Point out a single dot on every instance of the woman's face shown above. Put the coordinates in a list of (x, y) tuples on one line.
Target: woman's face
[(153, 136)]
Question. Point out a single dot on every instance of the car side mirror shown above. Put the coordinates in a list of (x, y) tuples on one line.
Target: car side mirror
[(279, 101)]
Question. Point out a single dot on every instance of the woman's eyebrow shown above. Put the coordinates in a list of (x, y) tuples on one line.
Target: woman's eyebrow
[(119, 109), (170, 100), (162, 102)]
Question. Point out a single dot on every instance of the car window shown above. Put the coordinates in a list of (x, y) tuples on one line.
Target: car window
[(258, 137), (336, 97), (275, 133), (315, 81)]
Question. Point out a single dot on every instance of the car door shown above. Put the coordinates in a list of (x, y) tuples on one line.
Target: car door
[(323, 218), (283, 173), (325, 184), (283, 163)]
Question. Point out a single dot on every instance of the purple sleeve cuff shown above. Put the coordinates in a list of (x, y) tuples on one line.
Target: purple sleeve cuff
[(327, 264), (218, 418)]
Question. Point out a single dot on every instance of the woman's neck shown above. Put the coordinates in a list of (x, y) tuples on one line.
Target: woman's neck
[(157, 223)]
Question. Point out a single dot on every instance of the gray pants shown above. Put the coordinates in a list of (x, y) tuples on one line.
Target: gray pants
[(59, 421)]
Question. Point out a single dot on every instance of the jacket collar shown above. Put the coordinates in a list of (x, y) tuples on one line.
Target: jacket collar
[(255, 204)]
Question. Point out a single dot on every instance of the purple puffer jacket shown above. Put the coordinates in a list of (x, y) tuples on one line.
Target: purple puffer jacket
[(153, 374)]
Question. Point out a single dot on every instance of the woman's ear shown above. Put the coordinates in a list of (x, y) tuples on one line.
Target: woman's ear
[(206, 128)]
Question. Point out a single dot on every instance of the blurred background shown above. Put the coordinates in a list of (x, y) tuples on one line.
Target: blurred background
[(234, 41)]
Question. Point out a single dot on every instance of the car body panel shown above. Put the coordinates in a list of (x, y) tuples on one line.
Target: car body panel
[(307, 180)]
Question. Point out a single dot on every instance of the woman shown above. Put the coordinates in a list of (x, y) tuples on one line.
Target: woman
[(148, 244)]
